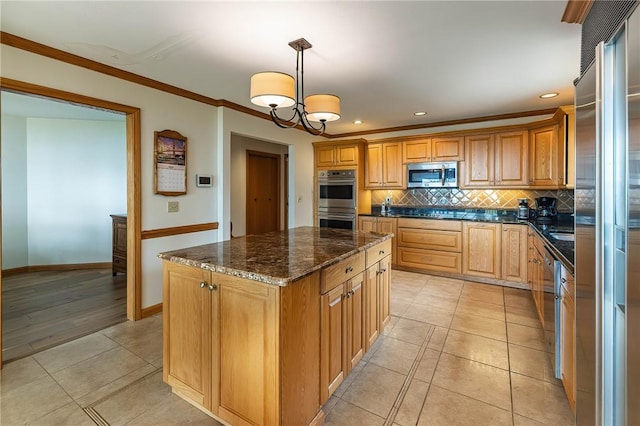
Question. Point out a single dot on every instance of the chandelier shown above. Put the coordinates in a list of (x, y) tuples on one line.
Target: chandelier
[(278, 91)]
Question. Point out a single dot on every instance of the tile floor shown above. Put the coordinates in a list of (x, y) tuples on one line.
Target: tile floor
[(455, 353)]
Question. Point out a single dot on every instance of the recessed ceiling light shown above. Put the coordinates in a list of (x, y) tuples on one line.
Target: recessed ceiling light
[(357, 121), (549, 95), (419, 113)]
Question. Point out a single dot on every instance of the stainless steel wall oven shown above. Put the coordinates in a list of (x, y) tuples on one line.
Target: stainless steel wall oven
[(337, 199)]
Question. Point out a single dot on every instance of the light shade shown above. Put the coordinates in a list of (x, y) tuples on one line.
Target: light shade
[(322, 107), (273, 89)]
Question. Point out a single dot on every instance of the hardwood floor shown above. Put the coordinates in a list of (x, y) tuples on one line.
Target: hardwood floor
[(44, 309)]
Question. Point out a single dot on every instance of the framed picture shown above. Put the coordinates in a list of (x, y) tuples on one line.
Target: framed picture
[(170, 159)]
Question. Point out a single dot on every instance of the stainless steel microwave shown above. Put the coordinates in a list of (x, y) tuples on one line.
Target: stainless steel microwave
[(432, 175)]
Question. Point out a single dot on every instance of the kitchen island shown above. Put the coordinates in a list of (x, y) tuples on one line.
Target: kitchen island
[(262, 329)]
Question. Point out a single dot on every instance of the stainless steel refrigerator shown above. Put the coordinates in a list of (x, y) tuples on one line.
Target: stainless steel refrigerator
[(607, 238)]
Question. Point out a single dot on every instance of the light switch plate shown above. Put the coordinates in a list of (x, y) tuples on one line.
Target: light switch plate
[(173, 206)]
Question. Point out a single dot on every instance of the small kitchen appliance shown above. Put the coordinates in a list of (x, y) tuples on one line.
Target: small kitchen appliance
[(546, 209), (432, 175), (523, 209)]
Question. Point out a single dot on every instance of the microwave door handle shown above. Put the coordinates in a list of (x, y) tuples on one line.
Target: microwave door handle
[(443, 175)]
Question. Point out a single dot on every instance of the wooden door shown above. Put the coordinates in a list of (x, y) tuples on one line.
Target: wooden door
[(371, 296), (514, 253), (447, 149), (478, 161), (384, 293), (394, 171), (333, 339), (544, 159), (355, 321), (511, 154), (263, 192), (417, 151), (373, 166), (481, 243), (186, 330)]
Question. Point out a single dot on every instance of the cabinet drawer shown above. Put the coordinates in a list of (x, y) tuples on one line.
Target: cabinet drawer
[(430, 260), (335, 275), (438, 224), (431, 239), (380, 251), (567, 281)]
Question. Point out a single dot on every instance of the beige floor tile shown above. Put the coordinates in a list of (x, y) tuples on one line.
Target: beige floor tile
[(443, 287), (477, 348), (523, 316), (328, 406), (427, 365), (483, 309), (345, 414), (531, 362), (429, 314), (173, 411), (522, 300), (439, 301), (348, 381), (24, 404), (487, 327), (540, 400), (519, 420), (473, 379), (525, 336), (374, 348), (133, 400), (437, 339), (446, 408), (143, 338), (411, 405), (449, 282), (409, 330), (95, 373), (400, 293), (396, 355), (73, 352), (491, 288), (399, 306), (70, 414), (482, 295), (365, 392), (19, 373)]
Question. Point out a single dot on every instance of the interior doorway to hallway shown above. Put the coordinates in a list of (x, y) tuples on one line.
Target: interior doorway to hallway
[(263, 192)]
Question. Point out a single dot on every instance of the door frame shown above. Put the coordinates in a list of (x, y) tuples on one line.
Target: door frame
[(278, 157), (134, 191)]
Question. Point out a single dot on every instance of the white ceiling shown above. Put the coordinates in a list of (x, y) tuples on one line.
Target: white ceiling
[(19, 105), (385, 59)]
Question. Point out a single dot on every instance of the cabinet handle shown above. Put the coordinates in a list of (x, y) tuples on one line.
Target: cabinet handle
[(203, 284), (212, 287), (383, 270), (381, 252), (349, 269)]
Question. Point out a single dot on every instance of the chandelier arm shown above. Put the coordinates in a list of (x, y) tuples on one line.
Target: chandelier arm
[(310, 127), (280, 122)]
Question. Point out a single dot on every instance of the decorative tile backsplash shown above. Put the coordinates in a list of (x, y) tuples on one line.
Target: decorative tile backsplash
[(470, 198)]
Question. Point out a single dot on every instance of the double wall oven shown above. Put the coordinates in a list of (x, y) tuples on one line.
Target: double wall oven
[(337, 199)]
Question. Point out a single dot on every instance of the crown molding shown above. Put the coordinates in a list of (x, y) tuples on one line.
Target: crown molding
[(576, 11)]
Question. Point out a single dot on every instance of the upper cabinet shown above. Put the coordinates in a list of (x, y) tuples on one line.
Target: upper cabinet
[(546, 157), (383, 166), (492, 160), (433, 149), (336, 155)]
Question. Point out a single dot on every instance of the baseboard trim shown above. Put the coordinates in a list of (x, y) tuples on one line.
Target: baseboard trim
[(63, 267), (151, 310)]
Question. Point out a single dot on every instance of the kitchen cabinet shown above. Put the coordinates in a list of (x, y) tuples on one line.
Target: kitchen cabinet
[(118, 244), (567, 336), (537, 276), (384, 225), (495, 160), (433, 149), (377, 291), (336, 155), (546, 166), (514, 252), (430, 245), (481, 246), (383, 166)]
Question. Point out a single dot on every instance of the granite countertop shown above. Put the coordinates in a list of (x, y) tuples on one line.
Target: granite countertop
[(562, 250), (277, 258)]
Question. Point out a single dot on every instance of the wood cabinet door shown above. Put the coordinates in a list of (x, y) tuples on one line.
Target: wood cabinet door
[(447, 149), (481, 244), (514, 253), (186, 329), (393, 169), (417, 151), (325, 156), (347, 155), (511, 154), (367, 224), (332, 341), (384, 293), (371, 296), (373, 166), (388, 225), (567, 345), (538, 283), (544, 156), (249, 348), (355, 319), (478, 170)]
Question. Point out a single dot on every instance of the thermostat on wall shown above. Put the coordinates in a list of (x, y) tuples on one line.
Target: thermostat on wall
[(204, 180)]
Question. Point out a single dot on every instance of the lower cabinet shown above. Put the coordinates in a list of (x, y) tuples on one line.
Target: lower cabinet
[(514, 253), (383, 225), (481, 245), (430, 245), (567, 337)]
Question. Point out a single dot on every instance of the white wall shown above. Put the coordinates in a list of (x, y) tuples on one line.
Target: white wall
[(239, 146), (13, 153), (76, 178)]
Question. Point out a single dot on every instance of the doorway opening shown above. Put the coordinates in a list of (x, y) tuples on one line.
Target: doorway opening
[(263, 192)]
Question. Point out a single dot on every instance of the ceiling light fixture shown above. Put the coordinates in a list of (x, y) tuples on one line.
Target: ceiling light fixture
[(357, 121), (277, 90), (549, 95), (419, 113)]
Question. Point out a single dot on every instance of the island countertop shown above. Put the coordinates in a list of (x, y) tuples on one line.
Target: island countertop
[(277, 258)]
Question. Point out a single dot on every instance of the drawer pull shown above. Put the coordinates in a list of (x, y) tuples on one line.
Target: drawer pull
[(383, 270), (381, 252), (203, 284), (348, 269), (212, 287)]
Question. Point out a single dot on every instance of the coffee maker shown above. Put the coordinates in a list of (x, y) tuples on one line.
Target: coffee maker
[(523, 209), (546, 209)]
